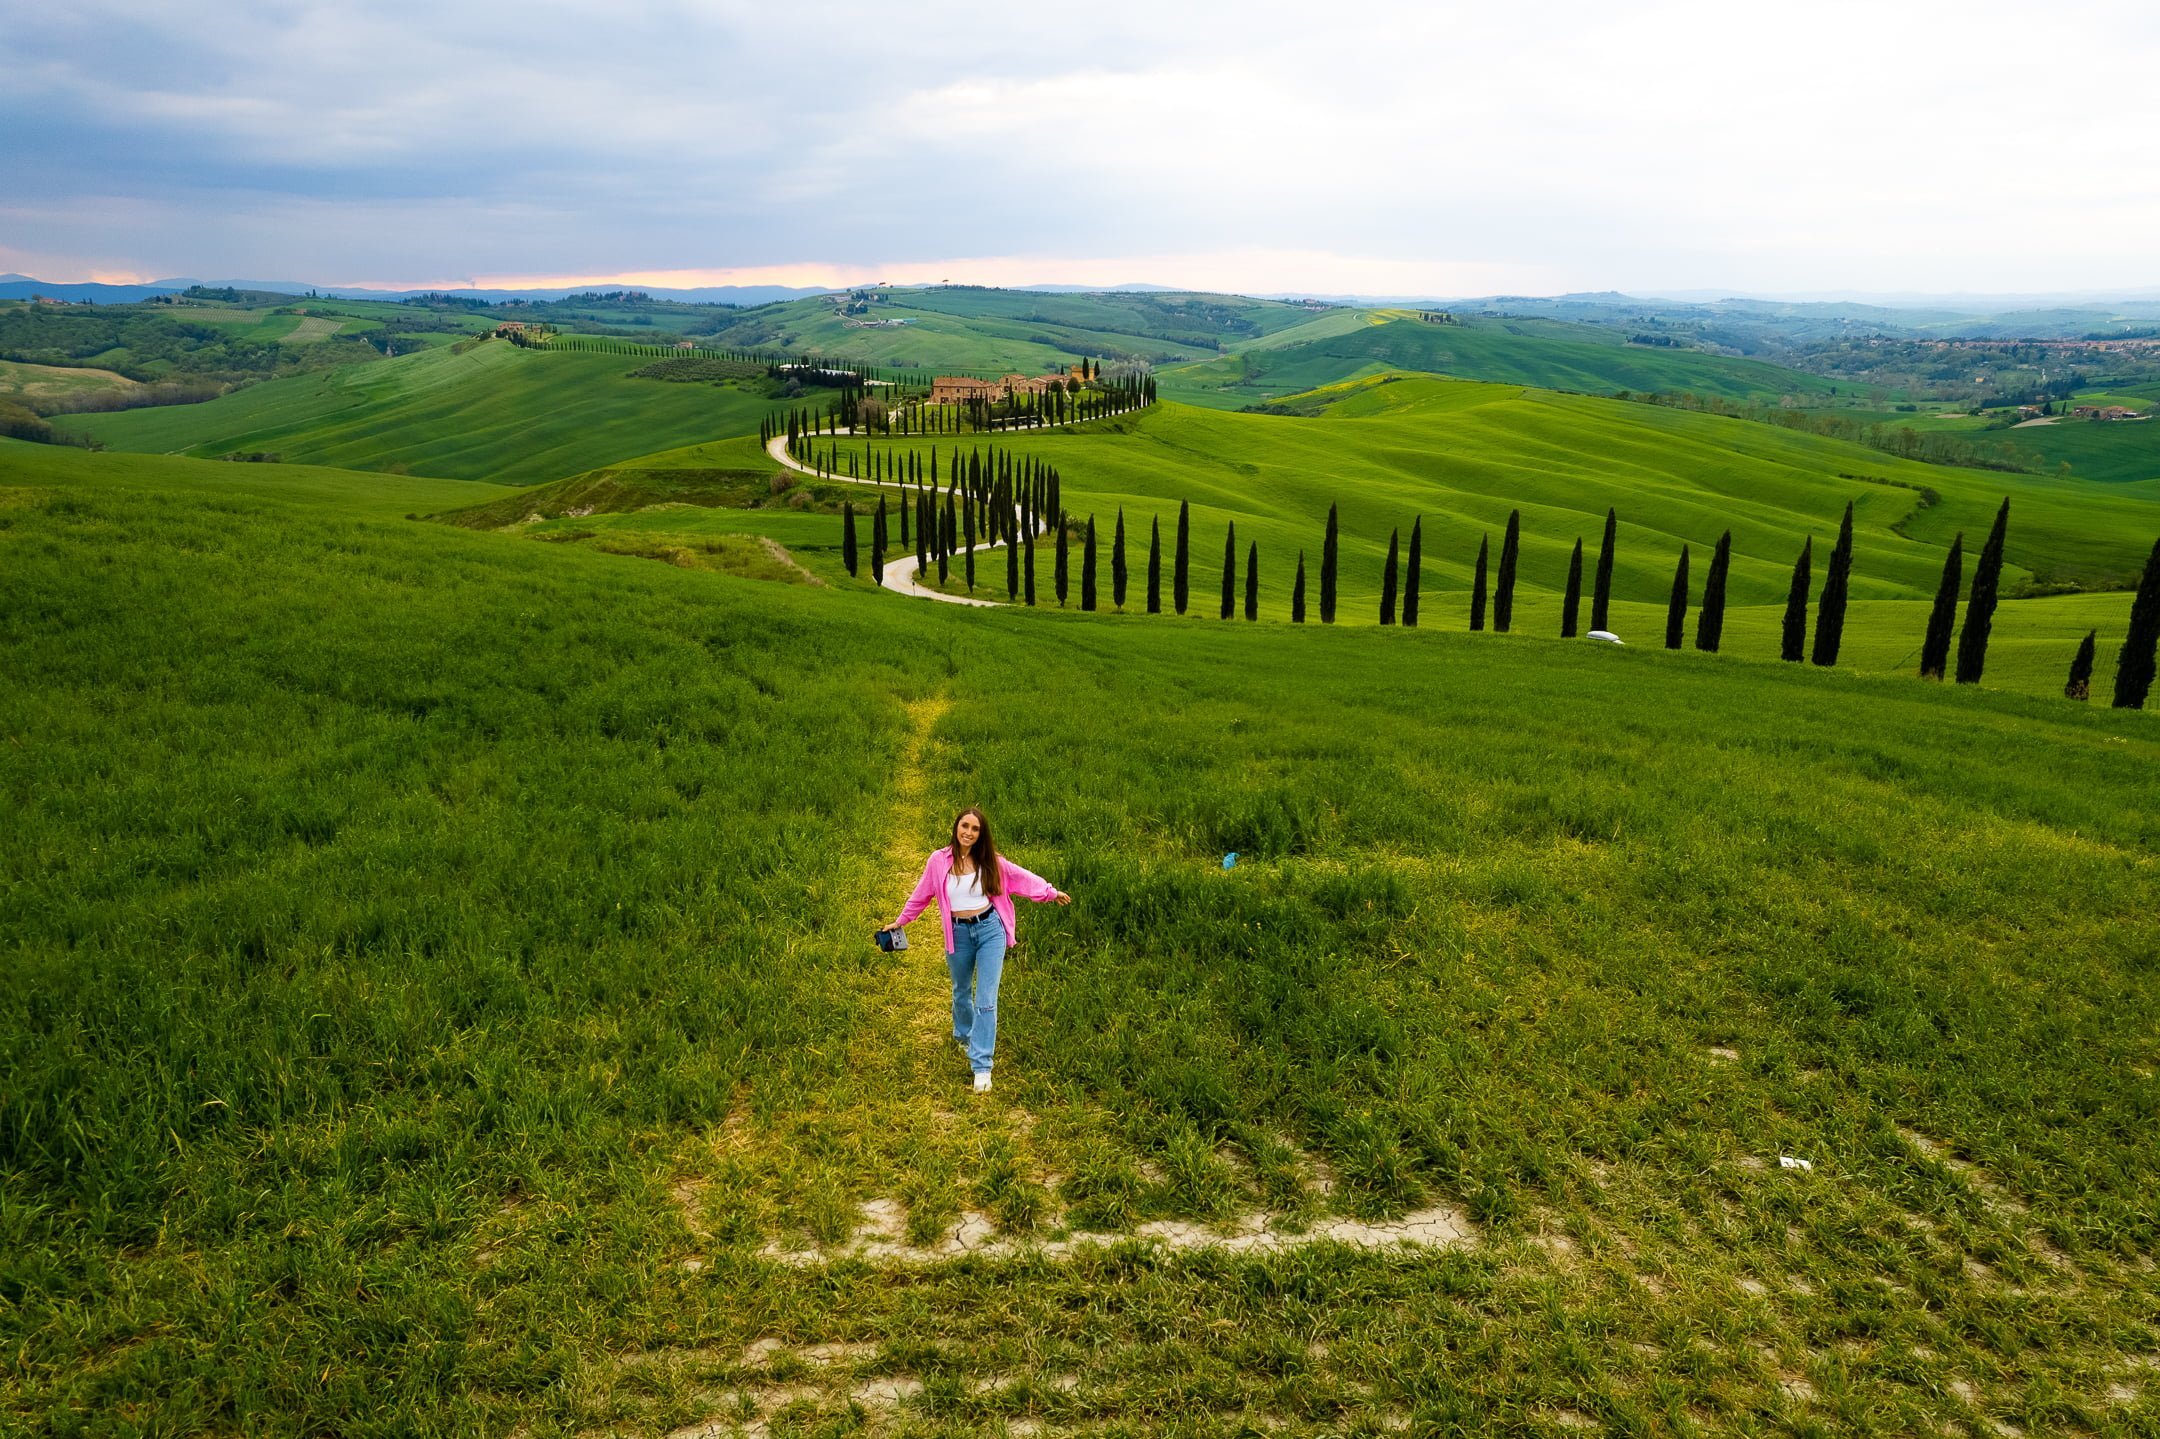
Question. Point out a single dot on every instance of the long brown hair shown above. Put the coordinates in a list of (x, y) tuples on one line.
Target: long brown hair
[(983, 856)]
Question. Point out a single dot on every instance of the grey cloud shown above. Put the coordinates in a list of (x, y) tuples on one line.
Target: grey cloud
[(1676, 142)]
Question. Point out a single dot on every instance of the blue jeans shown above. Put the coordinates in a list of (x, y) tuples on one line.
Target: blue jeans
[(977, 962)]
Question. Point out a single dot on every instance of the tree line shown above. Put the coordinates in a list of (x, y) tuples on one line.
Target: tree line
[(1022, 499), (854, 413), (990, 496)]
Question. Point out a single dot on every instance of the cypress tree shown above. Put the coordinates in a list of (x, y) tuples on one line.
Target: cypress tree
[(1154, 566), (1477, 587), (1503, 600), (1601, 593), (1181, 566), (1830, 614), (1297, 592), (905, 542), (967, 542), (1980, 608), (1388, 579), (1410, 573), (1229, 572), (847, 537), (1062, 562), (877, 543), (1117, 563), (1710, 621), (1027, 572), (1942, 619), (1087, 569), (1794, 648), (1012, 568), (1327, 570), (1676, 607), (2134, 668), (1571, 602), (1252, 581), (2079, 685), (923, 512)]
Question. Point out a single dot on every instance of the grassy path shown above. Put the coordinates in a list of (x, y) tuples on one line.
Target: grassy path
[(911, 1038)]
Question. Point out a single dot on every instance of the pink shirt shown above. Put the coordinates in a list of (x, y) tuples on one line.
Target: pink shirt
[(931, 889)]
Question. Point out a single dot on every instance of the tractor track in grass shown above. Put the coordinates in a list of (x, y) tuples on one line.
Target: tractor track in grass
[(915, 995)]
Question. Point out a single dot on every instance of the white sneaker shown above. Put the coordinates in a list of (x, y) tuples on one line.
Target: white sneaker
[(982, 1081)]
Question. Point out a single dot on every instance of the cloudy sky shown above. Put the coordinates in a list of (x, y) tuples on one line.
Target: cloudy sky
[(1437, 148)]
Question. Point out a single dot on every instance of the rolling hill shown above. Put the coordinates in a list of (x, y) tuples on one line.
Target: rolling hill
[(439, 995), (1550, 354), (1458, 456), (486, 410), (972, 329)]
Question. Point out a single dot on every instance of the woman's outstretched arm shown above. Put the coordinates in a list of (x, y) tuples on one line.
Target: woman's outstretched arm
[(918, 901), (1030, 886)]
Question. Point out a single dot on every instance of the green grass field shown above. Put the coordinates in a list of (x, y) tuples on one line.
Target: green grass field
[(1350, 345), (488, 411), (440, 1002), (56, 382), (2111, 452), (963, 329), (1460, 456)]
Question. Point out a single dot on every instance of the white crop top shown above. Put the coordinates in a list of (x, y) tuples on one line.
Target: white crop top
[(964, 892)]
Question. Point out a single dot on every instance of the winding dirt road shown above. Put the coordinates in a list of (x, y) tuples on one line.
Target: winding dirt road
[(899, 574)]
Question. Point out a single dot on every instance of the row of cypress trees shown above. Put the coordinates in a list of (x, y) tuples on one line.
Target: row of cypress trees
[(1058, 406), (1400, 586)]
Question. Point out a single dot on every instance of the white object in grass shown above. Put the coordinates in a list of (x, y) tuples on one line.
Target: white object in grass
[(982, 1081), (1786, 1161), (1608, 636)]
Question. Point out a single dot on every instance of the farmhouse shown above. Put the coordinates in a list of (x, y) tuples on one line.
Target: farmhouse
[(960, 389)]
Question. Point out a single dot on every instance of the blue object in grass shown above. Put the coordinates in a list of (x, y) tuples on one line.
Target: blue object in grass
[(1229, 861)]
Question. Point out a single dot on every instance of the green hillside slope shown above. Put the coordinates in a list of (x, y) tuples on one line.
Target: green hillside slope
[(2112, 452), (440, 1000), (964, 328), (483, 411), (1546, 353), (1463, 455)]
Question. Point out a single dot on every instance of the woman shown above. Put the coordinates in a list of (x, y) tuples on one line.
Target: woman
[(972, 886)]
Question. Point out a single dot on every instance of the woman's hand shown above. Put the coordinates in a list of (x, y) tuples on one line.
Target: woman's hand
[(1059, 896)]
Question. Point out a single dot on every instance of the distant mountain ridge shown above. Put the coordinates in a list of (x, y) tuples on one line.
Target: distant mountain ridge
[(23, 287)]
